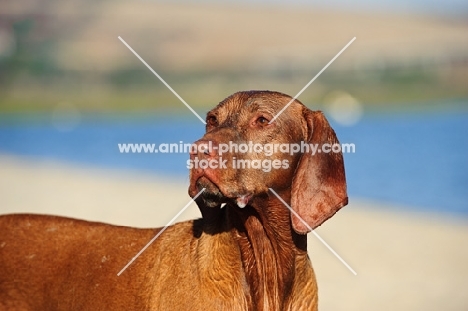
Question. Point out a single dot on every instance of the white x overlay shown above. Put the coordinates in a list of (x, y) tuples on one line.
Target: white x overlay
[(162, 80), (203, 121), (160, 232), (313, 79), (314, 233)]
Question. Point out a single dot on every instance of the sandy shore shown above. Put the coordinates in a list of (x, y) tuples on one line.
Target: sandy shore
[(404, 260)]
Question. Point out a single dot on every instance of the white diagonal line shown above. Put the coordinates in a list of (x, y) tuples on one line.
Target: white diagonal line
[(313, 79), (315, 233), (162, 80), (160, 232)]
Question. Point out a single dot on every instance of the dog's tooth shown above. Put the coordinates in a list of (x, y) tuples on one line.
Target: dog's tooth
[(242, 201), (241, 204)]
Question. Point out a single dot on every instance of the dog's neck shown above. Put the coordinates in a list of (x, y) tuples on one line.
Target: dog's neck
[(268, 252)]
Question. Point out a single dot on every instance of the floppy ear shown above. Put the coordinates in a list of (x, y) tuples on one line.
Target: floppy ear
[(319, 183)]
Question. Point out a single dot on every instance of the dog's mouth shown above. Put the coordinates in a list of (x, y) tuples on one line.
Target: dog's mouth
[(214, 197)]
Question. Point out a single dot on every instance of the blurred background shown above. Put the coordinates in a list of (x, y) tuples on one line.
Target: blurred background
[(70, 91)]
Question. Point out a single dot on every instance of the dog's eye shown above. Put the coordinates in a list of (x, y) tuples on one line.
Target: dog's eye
[(262, 121), (212, 121)]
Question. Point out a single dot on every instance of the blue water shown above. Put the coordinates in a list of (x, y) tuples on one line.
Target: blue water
[(418, 160)]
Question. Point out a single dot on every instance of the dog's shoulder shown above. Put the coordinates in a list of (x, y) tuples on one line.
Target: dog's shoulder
[(40, 220)]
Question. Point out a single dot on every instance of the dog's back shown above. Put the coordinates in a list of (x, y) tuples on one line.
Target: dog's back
[(57, 263), (43, 257)]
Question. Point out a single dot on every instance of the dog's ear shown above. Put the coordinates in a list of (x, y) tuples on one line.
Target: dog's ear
[(319, 183)]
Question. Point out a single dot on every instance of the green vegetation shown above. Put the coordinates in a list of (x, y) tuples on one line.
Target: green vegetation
[(139, 91), (33, 78)]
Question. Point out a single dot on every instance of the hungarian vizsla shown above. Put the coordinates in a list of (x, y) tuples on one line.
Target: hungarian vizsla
[(247, 252)]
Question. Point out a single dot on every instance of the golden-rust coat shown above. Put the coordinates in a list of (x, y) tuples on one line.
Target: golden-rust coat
[(233, 258)]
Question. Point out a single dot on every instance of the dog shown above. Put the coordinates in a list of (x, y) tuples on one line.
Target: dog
[(247, 252)]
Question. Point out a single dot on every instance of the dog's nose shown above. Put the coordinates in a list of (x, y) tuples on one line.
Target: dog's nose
[(204, 149)]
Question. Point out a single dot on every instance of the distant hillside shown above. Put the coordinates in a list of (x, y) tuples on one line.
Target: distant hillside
[(211, 49)]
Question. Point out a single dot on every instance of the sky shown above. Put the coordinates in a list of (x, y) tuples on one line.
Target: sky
[(433, 7)]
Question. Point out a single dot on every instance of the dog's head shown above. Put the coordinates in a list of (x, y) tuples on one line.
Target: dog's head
[(242, 155)]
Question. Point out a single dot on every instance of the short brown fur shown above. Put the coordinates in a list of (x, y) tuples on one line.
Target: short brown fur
[(233, 258)]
